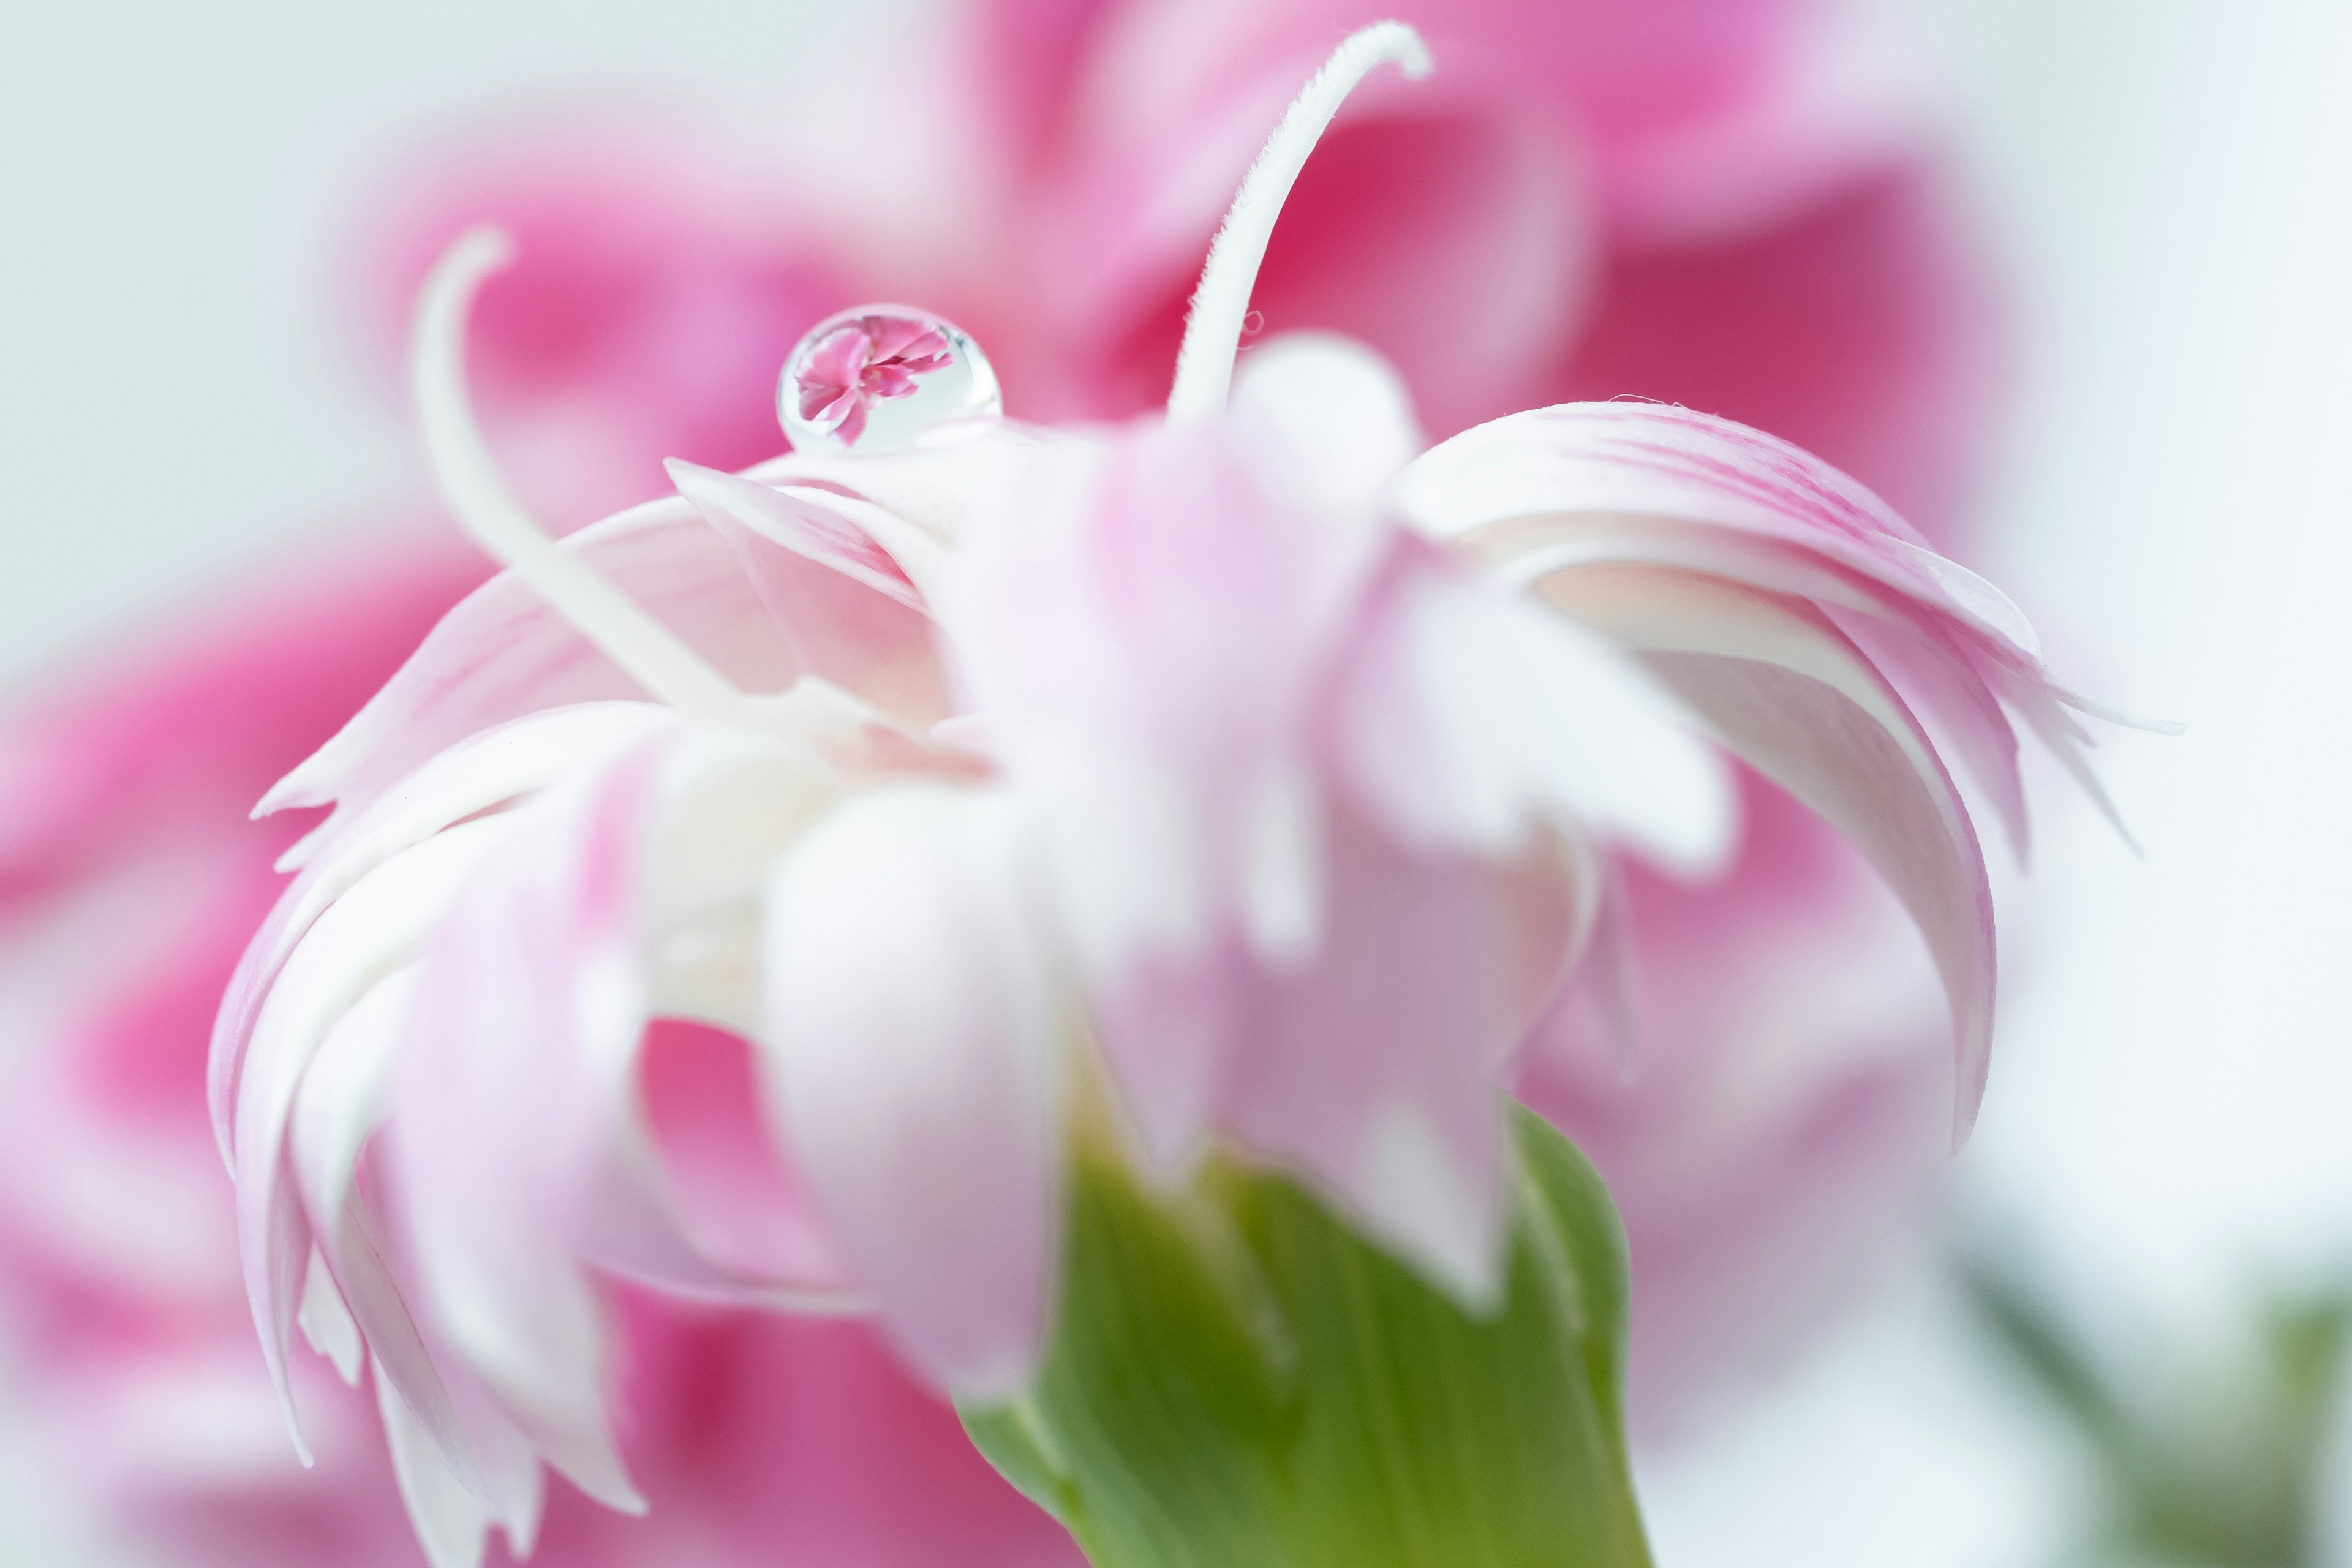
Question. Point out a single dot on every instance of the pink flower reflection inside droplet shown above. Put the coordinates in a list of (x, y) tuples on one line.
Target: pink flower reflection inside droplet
[(865, 361)]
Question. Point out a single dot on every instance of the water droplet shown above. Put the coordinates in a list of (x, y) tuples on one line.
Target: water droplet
[(876, 378)]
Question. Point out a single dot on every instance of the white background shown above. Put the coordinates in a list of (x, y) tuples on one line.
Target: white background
[(2171, 183)]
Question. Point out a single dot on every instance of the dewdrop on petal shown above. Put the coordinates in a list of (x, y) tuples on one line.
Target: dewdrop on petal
[(876, 378)]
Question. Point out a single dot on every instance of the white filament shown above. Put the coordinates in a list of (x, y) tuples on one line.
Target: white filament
[(1213, 332), (469, 482)]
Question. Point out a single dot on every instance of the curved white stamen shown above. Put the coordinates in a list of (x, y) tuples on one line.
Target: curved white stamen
[(1213, 332), (469, 482)]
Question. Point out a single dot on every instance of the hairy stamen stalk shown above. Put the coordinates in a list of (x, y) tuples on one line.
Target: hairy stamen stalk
[(468, 479), (1213, 332)]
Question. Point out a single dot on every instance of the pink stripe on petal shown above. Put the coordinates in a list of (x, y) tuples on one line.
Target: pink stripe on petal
[(1798, 701), (1656, 461), (1944, 686)]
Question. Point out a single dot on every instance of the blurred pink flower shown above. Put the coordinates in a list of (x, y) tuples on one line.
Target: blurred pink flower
[(1714, 204), (1733, 204)]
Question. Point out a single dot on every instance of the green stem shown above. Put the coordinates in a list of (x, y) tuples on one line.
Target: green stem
[(1237, 1378)]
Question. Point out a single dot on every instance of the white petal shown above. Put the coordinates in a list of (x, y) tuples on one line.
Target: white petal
[(471, 777), (1339, 413), (341, 1099), (327, 1323), (932, 487), (913, 1021), (1478, 715), (503, 654), (374, 929), (1941, 671), (1282, 881), (449, 1519), (1436, 1200)]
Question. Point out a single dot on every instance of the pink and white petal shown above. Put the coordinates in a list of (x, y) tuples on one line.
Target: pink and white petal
[(482, 770), (735, 1193), (503, 652), (1792, 697), (1375, 1070), (453, 1510), (805, 522), (326, 1324), (535, 993), (451, 1521), (726, 803), (340, 1104), (1173, 1026), (527, 1323), (511, 1098), (1949, 690), (481, 1445), (721, 806), (841, 601), (915, 1025), (1652, 460), (933, 488), (1936, 665), (342, 1099), (1472, 718), (1531, 548), (473, 776), (1281, 874), (374, 929)]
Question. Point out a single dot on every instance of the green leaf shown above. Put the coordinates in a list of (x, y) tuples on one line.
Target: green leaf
[(1237, 1378)]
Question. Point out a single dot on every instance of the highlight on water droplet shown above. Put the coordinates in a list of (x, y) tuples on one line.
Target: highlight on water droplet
[(876, 378)]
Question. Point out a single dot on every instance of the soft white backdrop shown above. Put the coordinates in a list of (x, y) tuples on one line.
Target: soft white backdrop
[(2171, 183)]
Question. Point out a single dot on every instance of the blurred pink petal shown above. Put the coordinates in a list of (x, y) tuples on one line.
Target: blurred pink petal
[(663, 286), (1771, 1102)]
